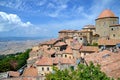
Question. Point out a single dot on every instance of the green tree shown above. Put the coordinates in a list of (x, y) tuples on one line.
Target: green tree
[(82, 72), (13, 61)]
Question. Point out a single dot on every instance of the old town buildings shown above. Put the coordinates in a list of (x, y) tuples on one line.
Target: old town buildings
[(71, 48), (106, 26)]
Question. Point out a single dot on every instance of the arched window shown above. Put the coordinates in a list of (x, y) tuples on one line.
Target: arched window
[(113, 35), (42, 68), (47, 68), (65, 55), (112, 29)]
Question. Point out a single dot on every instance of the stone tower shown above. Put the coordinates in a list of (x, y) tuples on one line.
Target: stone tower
[(104, 20)]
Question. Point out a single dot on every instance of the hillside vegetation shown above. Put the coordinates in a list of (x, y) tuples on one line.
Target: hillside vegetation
[(83, 72), (13, 61)]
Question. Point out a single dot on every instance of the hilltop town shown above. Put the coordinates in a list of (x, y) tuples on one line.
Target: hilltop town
[(99, 43)]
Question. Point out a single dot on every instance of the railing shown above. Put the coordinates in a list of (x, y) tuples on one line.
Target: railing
[(3, 75)]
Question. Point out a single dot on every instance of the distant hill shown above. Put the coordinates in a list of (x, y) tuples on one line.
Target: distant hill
[(3, 39), (11, 45)]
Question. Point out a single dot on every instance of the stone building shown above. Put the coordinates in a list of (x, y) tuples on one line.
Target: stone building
[(115, 31), (106, 19), (77, 34), (106, 26)]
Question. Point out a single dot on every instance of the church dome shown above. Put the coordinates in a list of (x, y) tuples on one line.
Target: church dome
[(106, 13)]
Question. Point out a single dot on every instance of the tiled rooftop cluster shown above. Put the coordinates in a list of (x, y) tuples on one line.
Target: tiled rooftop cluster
[(109, 61), (71, 47)]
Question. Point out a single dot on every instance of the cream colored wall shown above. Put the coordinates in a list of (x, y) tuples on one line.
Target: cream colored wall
[(70, 56), (61, 35), (76, 54), (43, 72), (58, 55), (35, 48), (57, 48), (68, 42)]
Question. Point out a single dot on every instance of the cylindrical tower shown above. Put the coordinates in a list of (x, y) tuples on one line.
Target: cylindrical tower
[(104, 20)]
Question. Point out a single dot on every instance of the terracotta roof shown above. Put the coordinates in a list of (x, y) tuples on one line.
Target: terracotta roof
[(106, 13), (74, 31), (31, 58), (63, 60), (44, 47), (108, 42), (109, 62), (14, 73), (89, 48), (67, 31), (77, 46), (68, 50), (60, 44), (115, 25), (51, 51), (21, 78), (30, 72), (44, 61), (96, 57), (49, 42), (83, 31), (50, 61), (89, 27)]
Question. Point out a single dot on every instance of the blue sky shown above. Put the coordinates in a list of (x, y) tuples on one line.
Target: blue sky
[(36, 18)]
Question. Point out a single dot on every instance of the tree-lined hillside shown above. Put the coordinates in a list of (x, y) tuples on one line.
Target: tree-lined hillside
[(83, 72), (13, 61)]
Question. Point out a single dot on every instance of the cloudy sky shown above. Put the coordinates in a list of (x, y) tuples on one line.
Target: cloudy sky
[(36, 18)]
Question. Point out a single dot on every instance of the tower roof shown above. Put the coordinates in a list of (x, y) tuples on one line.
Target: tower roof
[(106, 13)]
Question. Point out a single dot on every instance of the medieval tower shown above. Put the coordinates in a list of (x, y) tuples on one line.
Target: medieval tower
[(104, 21)]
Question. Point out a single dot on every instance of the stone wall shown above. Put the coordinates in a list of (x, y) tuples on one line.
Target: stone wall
[(102, 25)]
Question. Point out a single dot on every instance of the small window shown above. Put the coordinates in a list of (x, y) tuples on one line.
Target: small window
[(112, 29), (113, 35), (80, 38), (47, 68), (42, 68), (65, 55)]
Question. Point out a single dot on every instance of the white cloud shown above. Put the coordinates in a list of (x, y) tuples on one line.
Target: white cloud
[(66, 14), (14, 4), (11, 24), (11, 21), (41, 2)]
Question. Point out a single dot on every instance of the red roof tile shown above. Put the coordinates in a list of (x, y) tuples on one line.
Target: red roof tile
[(115, 25), (89, 48), (51, 51), (49, 42), (14, 73), (108, 42), (106, 13), (63, 60), (68, 50), (89, 27), (77, 46), (60, 44), (30, 72), (109, 62), (44, 61)]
